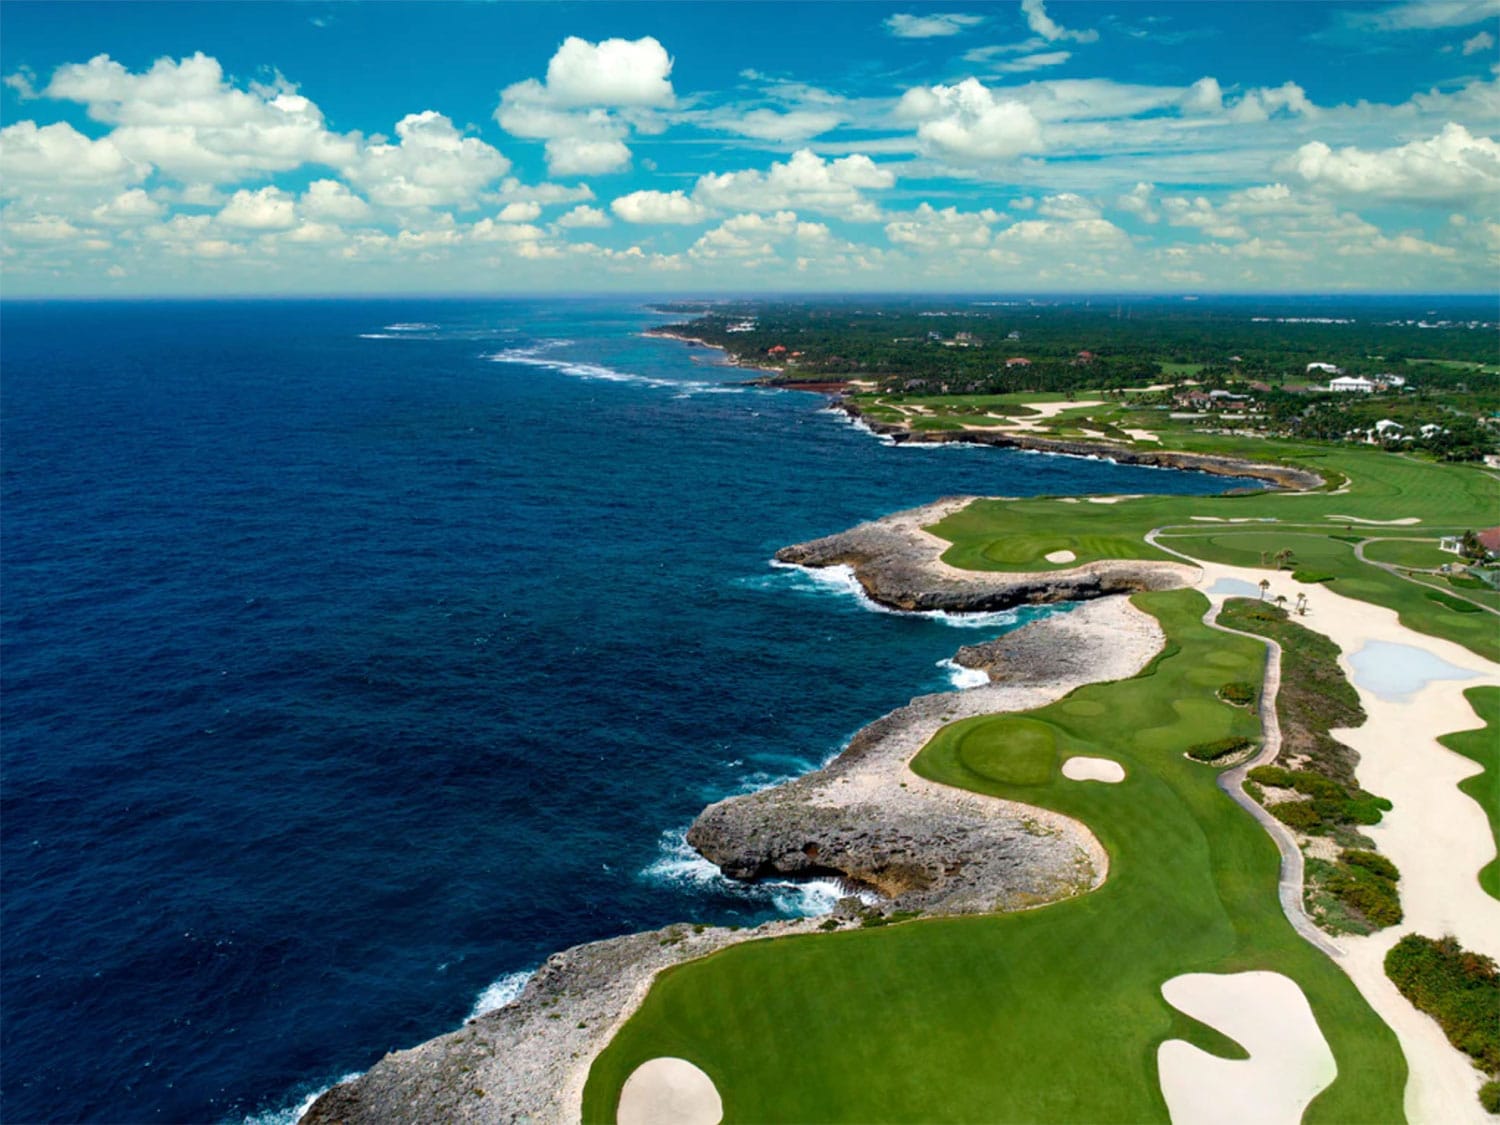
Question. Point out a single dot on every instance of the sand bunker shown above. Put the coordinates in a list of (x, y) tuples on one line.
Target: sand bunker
[(1093, 769), (1061, 556), (668, 1091), (1382, 523), (1266, 1013)]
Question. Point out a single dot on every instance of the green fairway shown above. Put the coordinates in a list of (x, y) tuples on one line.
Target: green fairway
[(1407, 552), (1320, 529), (1483, 745), (1047, 1015)]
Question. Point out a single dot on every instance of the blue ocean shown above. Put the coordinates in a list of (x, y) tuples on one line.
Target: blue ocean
[(359, 654)]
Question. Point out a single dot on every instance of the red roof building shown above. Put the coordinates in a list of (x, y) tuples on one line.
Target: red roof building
[(1018, 361), (1489, 539), (779, 349)]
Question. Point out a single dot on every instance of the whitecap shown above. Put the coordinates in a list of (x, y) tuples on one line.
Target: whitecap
[(841, 579), (412, 326), (499, 993), (682, 867), (964, 678), (291, 1114), (598, 372)]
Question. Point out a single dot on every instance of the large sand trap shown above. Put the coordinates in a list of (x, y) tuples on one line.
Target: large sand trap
[(1289, 1064), (669, 1091), (1093, 769), (1438, 837), (1061, 556), (1405, 520)]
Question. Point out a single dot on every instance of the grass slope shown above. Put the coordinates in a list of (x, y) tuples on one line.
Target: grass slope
[(1483, 745), (1047, 1015)]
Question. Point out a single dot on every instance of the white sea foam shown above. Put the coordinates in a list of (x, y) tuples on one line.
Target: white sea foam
[(840, 579), (291, 1114), (684, 868), (412, 326), (963, 678), (500, 993)]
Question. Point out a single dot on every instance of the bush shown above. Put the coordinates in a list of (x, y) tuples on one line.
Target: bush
[(1489, 1097), (1300, 815), (1370, 894), (1458, 988), (1218, 748), (1238, 692), (1301, 575), (1371, 861), (1272, 775)]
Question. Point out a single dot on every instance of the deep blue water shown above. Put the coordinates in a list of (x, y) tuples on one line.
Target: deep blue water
[(347, 671)]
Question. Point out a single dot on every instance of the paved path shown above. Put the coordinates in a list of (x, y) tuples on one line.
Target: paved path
[(1391, 568), (1232, 781)]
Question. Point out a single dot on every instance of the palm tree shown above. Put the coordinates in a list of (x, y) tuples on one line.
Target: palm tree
[(1283, 557), (1301, 603), (1280, 601), (1265, 584)]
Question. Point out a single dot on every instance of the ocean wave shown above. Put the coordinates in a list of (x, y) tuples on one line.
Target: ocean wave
[(964, 678), (413, 326), (291, 1114), (841, 579), (533, 357), (500, 993), (683, 868)]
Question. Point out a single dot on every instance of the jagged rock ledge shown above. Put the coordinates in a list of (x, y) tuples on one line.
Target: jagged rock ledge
[(899, 564), (1281, 476), (865, 817)]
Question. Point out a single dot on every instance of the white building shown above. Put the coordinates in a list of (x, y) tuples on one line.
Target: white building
[(1326, 368), (1351, 383)]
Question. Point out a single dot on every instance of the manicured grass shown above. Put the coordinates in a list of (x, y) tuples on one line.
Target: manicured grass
[(1016, 535), (1046, 1015), (1483, 745), (1407, 552)]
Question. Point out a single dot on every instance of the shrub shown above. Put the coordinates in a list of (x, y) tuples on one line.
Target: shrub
[(1218, 748), (1371, 861), (1238, 692), (1370, 894), (1363, 808), (1458, 988), (1301, 575), (1300, 815), (1272, 775), (1489, 1096)]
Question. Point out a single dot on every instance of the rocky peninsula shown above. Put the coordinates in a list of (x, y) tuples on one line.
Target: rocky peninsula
[(866, 817)]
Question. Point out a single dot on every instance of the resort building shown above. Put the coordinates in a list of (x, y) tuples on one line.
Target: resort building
[(1345, 383)]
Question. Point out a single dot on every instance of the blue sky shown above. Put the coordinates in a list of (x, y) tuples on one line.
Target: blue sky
[(243, 148)]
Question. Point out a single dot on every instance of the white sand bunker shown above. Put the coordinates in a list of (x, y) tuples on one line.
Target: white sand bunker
[(1093, 769), (668, 1091), (1266, 1013), (1381, 523), (1061, 556)]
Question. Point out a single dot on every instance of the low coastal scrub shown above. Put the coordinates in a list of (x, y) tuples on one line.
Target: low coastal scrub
[(1356, 892), (1461, 990)]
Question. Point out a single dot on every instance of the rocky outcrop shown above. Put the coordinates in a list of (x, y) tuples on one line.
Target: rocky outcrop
[(867, 818), (899, 564), (1281, 476)]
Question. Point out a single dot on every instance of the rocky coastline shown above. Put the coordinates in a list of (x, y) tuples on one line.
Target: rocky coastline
[(1280, 476), (899, 564), (865, 817)]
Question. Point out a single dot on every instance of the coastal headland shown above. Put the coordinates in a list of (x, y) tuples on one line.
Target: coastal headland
[(1052, 861)]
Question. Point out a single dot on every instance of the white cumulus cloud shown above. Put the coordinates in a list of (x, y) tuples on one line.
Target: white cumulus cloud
[(1048, 28), (431, 164), (268, 208), (967, 122), (1454, 166), (804, 182), (658, 207)]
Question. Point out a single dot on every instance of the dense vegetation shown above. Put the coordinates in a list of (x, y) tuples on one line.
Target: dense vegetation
[(1459, 989), (1356, 892), (1259, 349)]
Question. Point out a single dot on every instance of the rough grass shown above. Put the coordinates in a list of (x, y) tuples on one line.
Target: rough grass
[(1483, 745), (1051, 1014)]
